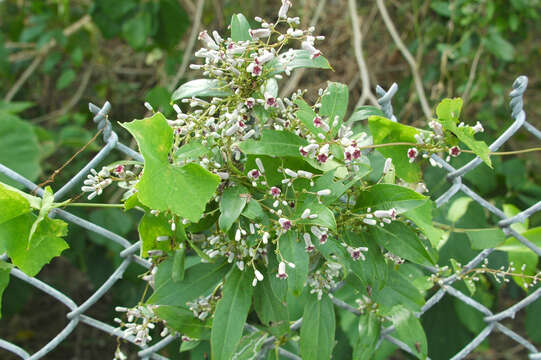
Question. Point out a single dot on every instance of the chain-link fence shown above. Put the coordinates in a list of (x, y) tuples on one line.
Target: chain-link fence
[(77, 312)]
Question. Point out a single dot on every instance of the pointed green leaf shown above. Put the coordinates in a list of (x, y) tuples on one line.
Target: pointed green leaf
[(274, 143), (240, 28), (183, 190), (201, 88), (199, 280), (183, 321), (299, 59), (369, 330), (334, 103), (231, 205), (271, 311), (485, 238), (293, 251), (385, 131), (388, 196), (231, 313), (410, 331), (317, 329), (402, 241)]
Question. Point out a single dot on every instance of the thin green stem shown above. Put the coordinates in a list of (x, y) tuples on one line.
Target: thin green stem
[(98, 205)]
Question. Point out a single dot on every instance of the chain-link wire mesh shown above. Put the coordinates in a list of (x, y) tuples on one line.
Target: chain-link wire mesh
[(77, 315)]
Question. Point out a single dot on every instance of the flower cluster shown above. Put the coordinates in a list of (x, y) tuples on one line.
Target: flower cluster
[(140, 321)]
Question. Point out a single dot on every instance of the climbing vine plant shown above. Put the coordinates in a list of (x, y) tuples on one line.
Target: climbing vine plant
[(268, 208)]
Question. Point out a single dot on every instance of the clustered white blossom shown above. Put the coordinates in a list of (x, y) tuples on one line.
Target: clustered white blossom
[(96, 182), (141, 320), (324, 279), (431, 142)]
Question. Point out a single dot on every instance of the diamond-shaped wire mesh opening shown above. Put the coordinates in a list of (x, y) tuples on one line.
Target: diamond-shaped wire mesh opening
[(76, 315)]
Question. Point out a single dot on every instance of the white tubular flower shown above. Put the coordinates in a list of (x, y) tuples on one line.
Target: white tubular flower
[(148, 106), (282, 13), (282, 270), (412, 154), (437, 127), (259, 33), (217, 37), (291, 173), (308, 46), (265, 237), (357, 253), (260, 165), (265, 57), (388, 165), (305, 214), (324, 192), (305, 174), (238, 235), (254, 69), (308, 242), (370, 221), (258, 275), (207, 40), (478, 127)]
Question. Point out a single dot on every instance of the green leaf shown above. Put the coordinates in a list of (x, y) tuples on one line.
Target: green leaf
[(485, 238), (422, 217), (172, 24), (398, 291), (136, 29), (325, 216), (317, 329), (369, 330), (190, 151), (250, 346), (388, 196), (448, 112), (19, 149), (254, 211), (511, 210), (402, 241), (306, 115), (65, 79), (201, 88), (183, 321), (47, 243), (45, 206), (386, 131), (240, 28), (441, 8), (300, 59), (498, 46), (293, 251), (458, 208), (183, 190), (364, 112), (179, 264), (5, 269), (231, 313), (373, 271), (334, 104), (150, 228), (199, 280), (271, 311), (231, 205), (274, 143), (409, 329), (12, 204)]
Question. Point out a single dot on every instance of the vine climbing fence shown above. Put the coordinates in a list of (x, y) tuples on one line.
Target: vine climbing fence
[(77, 312)]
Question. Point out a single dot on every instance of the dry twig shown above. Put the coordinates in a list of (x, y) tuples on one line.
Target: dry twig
[(409, 58), (189, 48), (366, 92)]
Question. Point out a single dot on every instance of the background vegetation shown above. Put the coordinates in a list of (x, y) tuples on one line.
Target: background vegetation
[(57, 55)]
